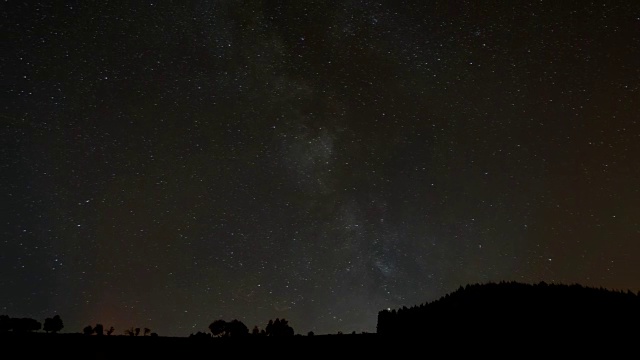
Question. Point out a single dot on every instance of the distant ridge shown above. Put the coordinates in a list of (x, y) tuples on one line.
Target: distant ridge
[(513, 309)]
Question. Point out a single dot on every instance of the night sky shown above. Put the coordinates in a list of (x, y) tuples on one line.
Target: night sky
[(167, 164)]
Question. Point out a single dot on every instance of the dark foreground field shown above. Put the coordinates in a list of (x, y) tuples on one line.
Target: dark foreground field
[(361, 346), (78, 346)]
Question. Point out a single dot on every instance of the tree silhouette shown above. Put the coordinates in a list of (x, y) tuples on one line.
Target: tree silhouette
[(110, 331), (146, 331), (48, 326), (282, 329), (237, 328), (88, 330), (130, 332), (255, 331), (234, 328), (137, 331), (279, 327), (99, 330), (218, 327), (53, 324), (24, 324)]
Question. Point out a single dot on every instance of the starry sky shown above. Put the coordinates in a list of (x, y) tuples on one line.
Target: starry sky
[(165, 164)]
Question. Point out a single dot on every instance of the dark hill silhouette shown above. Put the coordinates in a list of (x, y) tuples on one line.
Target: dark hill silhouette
[(510, 309)]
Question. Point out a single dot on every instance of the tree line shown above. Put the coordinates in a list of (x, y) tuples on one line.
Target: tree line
[(236, 328), (25, 325), (218, 328), (469, 309), (512, 307)]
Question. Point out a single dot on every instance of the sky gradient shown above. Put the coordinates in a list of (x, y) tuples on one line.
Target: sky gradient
[(167, 164)]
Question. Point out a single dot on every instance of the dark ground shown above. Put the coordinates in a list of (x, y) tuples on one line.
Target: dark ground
[(360, 346)]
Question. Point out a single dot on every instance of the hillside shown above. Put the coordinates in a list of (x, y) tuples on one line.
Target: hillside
[(512, 308)]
